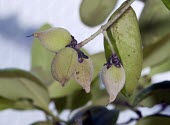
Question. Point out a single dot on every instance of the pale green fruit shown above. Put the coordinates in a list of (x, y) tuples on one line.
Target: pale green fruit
[(54, 39), (114, 80), (64, 65), (84, 74)]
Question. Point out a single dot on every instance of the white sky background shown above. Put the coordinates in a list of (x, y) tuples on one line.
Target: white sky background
[(19, 18)]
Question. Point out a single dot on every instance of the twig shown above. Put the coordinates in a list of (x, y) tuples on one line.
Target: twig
[(49, 113), (55, 118), (108, 24)]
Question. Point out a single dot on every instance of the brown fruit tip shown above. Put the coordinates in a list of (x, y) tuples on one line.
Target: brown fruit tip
[(35, 34), (64, 82)]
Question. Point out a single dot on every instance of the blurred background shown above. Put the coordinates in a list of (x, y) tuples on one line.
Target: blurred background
[(19, 18)]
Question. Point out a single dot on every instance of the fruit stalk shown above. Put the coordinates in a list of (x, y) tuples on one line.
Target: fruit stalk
[(109, 42), (108, 24)]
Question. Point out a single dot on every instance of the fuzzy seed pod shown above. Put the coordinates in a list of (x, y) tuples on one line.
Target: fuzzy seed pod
[(54, 39), (83, 74), (64, 65), (113, 79)]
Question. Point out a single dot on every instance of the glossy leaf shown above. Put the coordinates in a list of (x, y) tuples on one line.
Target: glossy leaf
[(154, 94), (126, 40), (43, 123), (17, 84), (161, 67), (167, 3), (21, 104), (94, 12), (95, 116), (41, 60), (154, 22), (154, 120)]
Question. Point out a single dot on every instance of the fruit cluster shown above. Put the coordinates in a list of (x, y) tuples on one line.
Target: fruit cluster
[(70, 62)]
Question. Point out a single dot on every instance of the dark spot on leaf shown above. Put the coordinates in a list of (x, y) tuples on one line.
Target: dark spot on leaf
[(77, 73)]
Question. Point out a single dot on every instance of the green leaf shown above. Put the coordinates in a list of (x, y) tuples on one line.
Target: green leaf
[(154, 94), (157, 52), (161, 67), (126, 40), (41, 60), (56, 90), (99, 96), (77, 99), (98, 61), (95, 116), (154, 120), (17, 84), (60, 103), (72, 101), (154, 22), (20, 104), (43, 123), (94, 12), (167, 3)]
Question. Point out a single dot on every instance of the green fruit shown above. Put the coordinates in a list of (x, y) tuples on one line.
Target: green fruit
[(54, 39), (84, 73), (64, 65), (113, 79)]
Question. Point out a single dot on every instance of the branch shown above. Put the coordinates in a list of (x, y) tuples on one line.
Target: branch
[(49, 113), (108, 24), (55, 118)]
